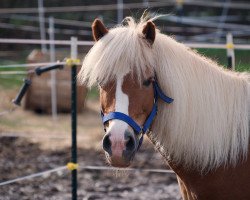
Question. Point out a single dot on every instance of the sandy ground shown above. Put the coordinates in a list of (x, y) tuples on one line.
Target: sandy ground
[(51, 133), (31, 143)]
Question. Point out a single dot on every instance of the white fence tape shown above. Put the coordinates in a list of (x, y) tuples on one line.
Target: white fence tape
[(99, 168)]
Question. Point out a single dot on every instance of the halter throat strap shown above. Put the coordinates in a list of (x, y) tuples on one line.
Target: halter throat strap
[(140, 130)]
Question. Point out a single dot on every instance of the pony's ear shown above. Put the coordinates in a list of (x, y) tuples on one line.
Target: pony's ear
[(149, 32), (98, 29)]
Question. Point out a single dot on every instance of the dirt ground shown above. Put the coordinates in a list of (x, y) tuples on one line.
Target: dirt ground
[(31, 143)]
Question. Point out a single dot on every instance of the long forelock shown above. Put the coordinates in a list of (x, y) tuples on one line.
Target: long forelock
[(123, 50)]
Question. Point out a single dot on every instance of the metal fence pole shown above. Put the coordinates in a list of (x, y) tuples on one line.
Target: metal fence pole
[(42, 24), (145, 4), (53, 72), (74, 116), (230, 52), (119, 11)]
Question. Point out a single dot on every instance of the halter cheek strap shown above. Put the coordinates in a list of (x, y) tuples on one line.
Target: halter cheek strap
[(140, 130)]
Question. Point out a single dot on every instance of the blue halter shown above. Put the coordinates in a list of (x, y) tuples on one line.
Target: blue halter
[(140, 130)]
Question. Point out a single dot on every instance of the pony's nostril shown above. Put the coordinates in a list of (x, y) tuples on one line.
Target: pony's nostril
[(106, 143), (130, 143)]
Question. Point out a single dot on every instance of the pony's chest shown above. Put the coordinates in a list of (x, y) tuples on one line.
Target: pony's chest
[(231, 183)]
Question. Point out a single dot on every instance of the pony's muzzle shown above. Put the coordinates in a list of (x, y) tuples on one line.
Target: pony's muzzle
[(121, 151)]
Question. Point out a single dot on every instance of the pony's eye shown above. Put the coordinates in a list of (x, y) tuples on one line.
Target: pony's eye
[(147, 82)]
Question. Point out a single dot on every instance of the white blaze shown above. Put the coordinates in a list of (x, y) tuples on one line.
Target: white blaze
[(118, 127)]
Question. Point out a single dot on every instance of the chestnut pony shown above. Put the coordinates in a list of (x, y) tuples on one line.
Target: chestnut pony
[(202, 131)]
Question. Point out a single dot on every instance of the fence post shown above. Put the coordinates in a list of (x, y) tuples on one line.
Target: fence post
[(53, 72), (74, 117), (179, 7), (119, 11), (230, 52), (42, 25), (145, 4)]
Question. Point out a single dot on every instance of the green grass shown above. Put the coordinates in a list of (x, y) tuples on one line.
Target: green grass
[(11, 81), (242, 58), (243, 68)]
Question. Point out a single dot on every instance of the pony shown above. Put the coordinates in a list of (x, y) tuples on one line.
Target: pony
[(202, 132)]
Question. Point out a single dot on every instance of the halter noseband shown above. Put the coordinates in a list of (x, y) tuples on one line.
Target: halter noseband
[(140, 130)]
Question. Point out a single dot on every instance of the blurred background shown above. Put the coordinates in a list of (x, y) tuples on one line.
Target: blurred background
[(37, 136), (187, 20)]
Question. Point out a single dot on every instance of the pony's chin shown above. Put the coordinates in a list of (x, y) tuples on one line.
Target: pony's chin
[(119, 163)]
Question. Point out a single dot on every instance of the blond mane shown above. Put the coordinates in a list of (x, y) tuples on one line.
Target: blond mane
[(207, 125)]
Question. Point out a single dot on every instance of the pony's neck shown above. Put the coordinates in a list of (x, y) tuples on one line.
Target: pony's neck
[(208, 123)]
